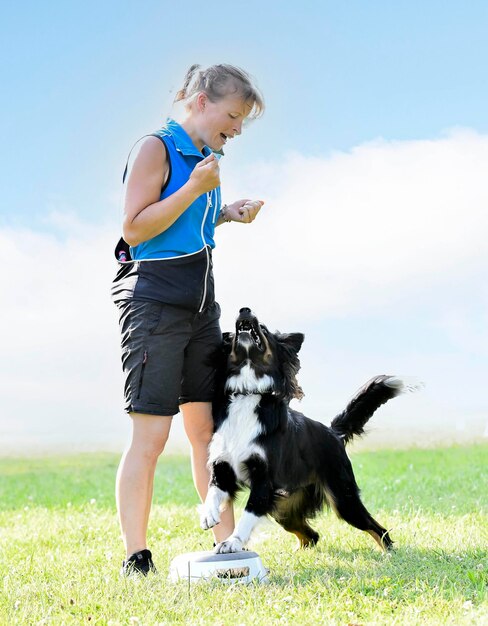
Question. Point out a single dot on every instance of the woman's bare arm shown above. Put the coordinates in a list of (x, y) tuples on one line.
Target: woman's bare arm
[(145, 216)]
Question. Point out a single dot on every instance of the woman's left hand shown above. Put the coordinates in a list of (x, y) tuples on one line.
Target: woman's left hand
[(244, 211)]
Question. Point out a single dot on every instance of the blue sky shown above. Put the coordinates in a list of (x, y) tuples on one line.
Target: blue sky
[(371, 156), (83, 80)]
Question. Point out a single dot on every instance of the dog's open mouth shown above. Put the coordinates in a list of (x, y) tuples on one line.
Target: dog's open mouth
[(245, 330)]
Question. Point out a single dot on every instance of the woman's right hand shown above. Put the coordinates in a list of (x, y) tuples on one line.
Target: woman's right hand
[(205, 175)]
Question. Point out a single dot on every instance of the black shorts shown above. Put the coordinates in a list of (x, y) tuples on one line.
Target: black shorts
[(167, 355)]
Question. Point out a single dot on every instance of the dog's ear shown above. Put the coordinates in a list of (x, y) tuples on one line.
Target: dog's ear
[(293, 340), (288, 346)]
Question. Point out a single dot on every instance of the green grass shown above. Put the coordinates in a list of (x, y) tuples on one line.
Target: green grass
[(60, 549)]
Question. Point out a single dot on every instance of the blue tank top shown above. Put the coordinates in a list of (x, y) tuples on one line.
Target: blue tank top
[(194, 230)]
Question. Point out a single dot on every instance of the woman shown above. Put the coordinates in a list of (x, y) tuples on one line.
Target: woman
[(169, 319)]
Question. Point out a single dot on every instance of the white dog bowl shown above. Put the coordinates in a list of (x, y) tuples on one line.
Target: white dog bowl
[(236, 567)]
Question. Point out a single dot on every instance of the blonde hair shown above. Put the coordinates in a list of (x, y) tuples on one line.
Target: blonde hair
[(219, 81)]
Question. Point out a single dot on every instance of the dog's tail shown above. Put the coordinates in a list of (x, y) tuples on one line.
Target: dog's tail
[(370, 397)]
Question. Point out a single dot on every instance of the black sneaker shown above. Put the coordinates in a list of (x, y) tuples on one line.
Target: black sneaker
[(138, 563)]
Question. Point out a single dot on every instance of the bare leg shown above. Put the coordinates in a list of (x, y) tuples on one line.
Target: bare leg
[(135, 477), (198, 422)]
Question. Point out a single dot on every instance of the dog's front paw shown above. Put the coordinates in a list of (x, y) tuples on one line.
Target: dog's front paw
[(209, 517), (232, 544)]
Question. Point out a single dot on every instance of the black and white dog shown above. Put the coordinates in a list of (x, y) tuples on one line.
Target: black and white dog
[(293, 465)]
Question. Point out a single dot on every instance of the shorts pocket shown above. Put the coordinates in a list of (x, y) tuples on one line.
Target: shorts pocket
[(141, 375)]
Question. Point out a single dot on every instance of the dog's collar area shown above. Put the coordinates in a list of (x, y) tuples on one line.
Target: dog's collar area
[(233, 394)]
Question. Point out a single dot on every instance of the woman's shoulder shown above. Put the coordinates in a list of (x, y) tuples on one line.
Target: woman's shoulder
[(152, 147), (150, 159)]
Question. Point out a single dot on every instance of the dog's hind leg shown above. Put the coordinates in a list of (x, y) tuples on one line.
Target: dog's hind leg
[(222, 488), (348, 506), (306, 535), (342, 492), (259, 504)]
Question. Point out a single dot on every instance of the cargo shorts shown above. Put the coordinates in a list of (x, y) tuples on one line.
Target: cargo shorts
[(167, 355)]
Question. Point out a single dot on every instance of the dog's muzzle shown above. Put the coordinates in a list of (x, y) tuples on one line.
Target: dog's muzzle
[(247, 329)]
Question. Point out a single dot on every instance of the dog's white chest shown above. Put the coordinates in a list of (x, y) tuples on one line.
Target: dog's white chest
[(234, 442)]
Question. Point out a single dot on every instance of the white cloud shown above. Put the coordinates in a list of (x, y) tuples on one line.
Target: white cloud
[(386, 228), (59, 345), (360, 229)]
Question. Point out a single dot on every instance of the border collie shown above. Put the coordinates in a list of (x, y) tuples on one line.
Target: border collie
[(292, 465)]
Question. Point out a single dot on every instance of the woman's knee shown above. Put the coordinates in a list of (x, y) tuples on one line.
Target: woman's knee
[(200, 437), (149, 435), (199, 434), (198, 422)]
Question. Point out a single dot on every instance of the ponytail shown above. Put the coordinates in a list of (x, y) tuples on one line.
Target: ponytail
[(183, 94), (218, 81)]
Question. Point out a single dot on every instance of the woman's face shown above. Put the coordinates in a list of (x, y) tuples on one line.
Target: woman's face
[(222, 120)]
